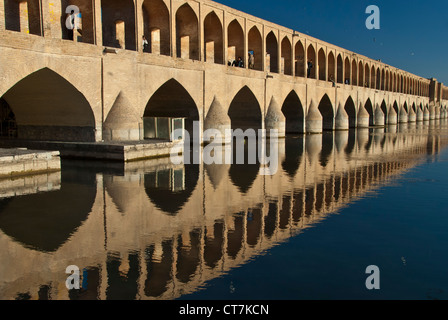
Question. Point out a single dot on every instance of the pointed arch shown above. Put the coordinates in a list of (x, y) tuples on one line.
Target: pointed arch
[(354, 73), (322, 64), (187, 33), (256, 46), (340, 69), (172, 100), (213, 39), (361, 82), (331, 67), (272, 53), (293, 110), (286, 56), (350, 108), (347, 71), (300, 59), (367, 76), (370, 109), (118, 21), (244, 111), (235, 40), (327, 112), (405, 107), (395, 106), (156, 26), (311, 54), (385, 111), (48, 107), (378, 79), (23, 16)]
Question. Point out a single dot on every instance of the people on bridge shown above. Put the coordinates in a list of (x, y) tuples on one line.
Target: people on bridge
[(145, 44), (251, 60), (240, 62), (310, 66), (332, 80)]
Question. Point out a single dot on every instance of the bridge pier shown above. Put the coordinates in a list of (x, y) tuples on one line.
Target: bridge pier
[(363, 117), (437, 113), (379, 116), (419, 114), (275, 119), (341, 120), (426, 114), (219, 120), (402, 115), (412, 115), (392, 117), (314, 119), (432, 112)]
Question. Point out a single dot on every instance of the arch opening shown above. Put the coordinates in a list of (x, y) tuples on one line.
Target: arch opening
[(187, 39), (331, 68), (311, 69), (354, 73), (326, 110), (213, 39), (172, 100), (256, 48), (322, 65), (23, 16), (118, 21), (244, 111), (347, 71), (293, 110), (84, 21), (367, 80), (340, 70), (286, 57), (235, 48), (361, 82), (156, 27), (300, 59), (48, 107), (272, 53), (370, 110), (350, 108), (385, 111)]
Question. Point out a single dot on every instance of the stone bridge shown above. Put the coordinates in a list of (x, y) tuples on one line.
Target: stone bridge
[(98, 82)]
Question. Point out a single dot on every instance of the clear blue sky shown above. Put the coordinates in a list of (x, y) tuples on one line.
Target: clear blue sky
[(413, 34)]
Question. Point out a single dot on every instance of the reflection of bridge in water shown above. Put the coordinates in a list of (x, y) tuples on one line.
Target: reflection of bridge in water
[(159, 231)]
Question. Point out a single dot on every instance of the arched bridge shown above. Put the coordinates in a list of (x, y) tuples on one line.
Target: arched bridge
[(100, 81)]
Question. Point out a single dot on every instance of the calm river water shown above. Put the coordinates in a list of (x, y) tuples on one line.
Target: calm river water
[(151, 230)]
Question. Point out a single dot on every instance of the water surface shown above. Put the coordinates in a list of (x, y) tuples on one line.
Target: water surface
[(152, 230)]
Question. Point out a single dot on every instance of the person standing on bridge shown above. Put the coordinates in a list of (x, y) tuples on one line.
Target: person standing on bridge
[(310, 66), (251, 60), (145, 44)]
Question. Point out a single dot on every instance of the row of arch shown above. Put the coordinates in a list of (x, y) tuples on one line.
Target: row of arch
[(170, 100), (221, 42)]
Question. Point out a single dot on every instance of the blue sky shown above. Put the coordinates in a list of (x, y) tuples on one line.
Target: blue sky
[(413, 34)]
